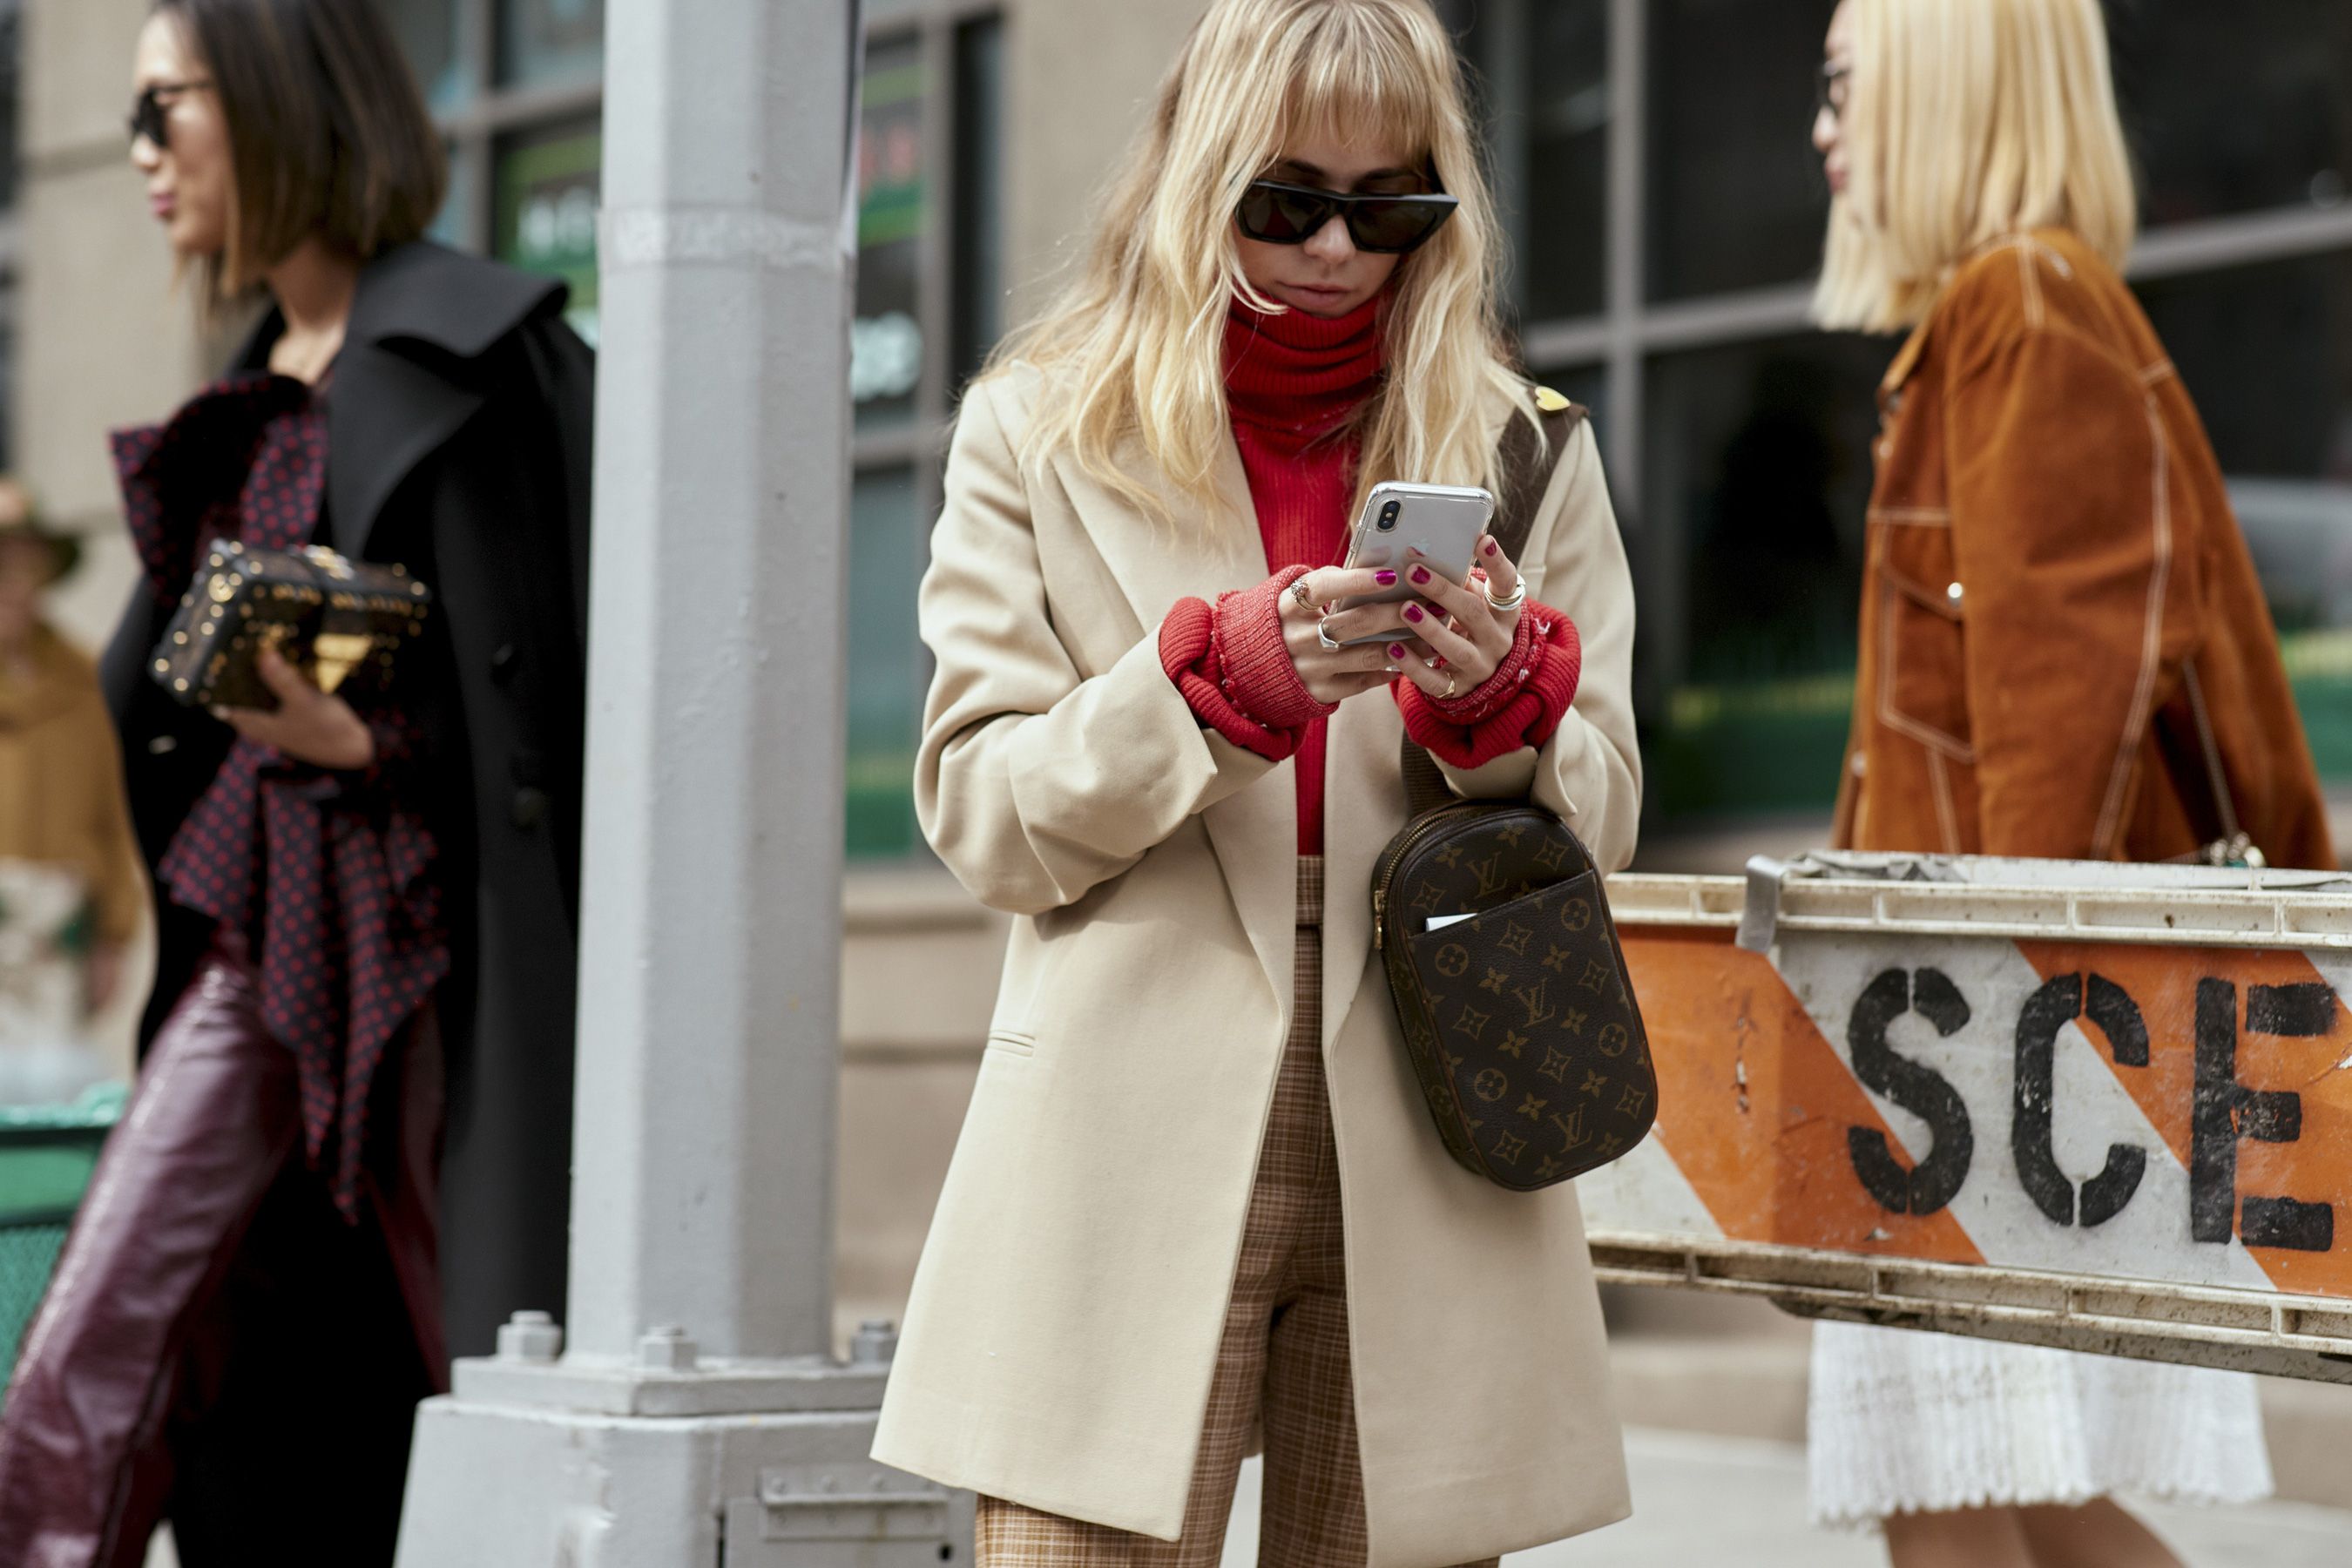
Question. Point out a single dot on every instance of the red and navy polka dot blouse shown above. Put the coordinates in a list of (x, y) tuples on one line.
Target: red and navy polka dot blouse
[(327, 874)]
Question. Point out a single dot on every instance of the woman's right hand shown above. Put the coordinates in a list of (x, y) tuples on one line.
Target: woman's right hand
[(1335, 675)]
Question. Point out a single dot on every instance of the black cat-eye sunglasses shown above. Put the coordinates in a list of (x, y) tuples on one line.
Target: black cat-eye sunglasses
[(1279, 214), (149, 112)]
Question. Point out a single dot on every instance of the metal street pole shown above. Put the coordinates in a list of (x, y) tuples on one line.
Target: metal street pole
[(697, 1415)]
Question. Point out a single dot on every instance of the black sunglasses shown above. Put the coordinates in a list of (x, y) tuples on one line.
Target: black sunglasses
[(1293, 215), (149, 112)]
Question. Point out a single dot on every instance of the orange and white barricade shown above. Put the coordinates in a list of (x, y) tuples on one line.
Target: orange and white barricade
[(2102, 1107)]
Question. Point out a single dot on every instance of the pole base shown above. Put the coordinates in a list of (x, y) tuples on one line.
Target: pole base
[(610, 1466)]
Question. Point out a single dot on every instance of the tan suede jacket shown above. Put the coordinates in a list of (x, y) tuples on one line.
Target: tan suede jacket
[(2054, 586)]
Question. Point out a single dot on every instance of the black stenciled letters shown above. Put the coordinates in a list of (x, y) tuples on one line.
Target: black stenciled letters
[(2226, 1110), (2047, 1011), (1921, 1090)]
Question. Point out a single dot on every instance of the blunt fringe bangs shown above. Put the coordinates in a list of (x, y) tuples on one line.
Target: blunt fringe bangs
[(328, 133), (1133, 348), (1966, 121)]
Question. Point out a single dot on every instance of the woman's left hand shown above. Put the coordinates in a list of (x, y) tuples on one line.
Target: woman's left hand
[(1468, 639), (309, 725)]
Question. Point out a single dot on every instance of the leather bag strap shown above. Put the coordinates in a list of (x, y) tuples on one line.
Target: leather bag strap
[(1526, 473)]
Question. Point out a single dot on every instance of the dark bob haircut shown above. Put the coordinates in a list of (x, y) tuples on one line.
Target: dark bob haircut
[(327, 132)]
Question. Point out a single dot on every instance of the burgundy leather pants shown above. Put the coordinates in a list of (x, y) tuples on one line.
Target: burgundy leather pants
[(200, 1216)]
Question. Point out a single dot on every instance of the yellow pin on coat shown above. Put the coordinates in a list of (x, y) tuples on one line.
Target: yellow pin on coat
[(1549, 401)]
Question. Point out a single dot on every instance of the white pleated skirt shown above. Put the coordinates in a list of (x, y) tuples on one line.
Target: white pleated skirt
[(1901, 1421)]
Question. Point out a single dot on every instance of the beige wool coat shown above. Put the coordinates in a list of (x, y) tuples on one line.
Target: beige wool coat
[(1067, 1312)]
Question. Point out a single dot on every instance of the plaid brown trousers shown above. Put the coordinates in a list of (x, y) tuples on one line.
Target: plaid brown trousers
[(1282, 1367)]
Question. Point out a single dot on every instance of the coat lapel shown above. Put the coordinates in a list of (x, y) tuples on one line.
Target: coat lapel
[(407, 378), (1363, 805), (1255, 832), (385, 415)]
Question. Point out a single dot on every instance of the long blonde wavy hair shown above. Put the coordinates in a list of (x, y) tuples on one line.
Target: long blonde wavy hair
[(1134, 347), (1966, 120)]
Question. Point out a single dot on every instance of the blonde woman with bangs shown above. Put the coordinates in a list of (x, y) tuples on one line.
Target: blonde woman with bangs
[(2065, 654), (1199, 1208)]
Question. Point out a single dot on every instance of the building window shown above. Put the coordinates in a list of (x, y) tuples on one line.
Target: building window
[(1737, 197), (930, 283), (12, 34), (546, 212), (978, 318), (2266, 354), (885, 340), (2236, 108), (1541, 71), (428, 31), (516, 87), (546, 41), (1674, 300), (887, 671)]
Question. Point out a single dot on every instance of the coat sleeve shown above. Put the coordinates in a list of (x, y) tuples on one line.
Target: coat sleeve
[(1035, 782), (2063, 545), (1589, 770)]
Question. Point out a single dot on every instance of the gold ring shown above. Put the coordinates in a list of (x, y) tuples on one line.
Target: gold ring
[(1449, 686), (1299, 592), (1518, 596)]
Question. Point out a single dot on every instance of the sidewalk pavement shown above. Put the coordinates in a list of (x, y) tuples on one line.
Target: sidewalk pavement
[(1703, 1502)]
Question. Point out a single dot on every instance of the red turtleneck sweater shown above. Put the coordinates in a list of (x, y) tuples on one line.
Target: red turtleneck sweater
[(1292, 382)]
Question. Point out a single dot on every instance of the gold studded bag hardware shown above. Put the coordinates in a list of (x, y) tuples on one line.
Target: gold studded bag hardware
[(340, 621), (1493, 927)]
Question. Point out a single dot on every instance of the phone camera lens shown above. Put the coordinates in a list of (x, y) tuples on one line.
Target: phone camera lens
[(1389, 516)]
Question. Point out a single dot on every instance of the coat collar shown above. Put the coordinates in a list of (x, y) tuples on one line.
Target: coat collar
[(407, 378)]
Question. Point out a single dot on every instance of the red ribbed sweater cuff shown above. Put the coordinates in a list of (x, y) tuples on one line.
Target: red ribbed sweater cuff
[(1235, 671), (1519, 705)]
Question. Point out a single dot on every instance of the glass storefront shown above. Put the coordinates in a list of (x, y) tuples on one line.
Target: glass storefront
[(1737, 437), (930, 285)]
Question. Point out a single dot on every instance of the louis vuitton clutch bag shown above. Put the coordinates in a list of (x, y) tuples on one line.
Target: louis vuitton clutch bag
[(1510, 983), (1511, 990), (342, 623)]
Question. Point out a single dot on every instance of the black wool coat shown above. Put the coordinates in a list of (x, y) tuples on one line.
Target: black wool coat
[(459, 424)]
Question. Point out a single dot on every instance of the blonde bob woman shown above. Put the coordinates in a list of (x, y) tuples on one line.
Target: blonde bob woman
[(1198, 1207), (2064, 653)]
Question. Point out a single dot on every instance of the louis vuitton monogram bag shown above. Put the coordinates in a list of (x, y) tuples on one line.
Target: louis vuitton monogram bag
[(1508, 980)]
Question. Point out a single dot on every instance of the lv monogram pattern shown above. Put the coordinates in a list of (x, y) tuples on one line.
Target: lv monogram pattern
[(1521, 1026)]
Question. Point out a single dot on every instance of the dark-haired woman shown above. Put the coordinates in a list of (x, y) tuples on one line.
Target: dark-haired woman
[(360, 901)]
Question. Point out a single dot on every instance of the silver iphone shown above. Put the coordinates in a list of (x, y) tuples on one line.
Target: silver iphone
[(1442, 522)]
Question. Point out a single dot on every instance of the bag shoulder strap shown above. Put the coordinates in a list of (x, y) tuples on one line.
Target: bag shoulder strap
[(1524, 475)]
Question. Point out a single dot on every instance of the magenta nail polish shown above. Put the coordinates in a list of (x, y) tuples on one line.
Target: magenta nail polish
[(1421, 573), (1396, 650), (1412, 612), (1385, 578), (1490, 547)]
